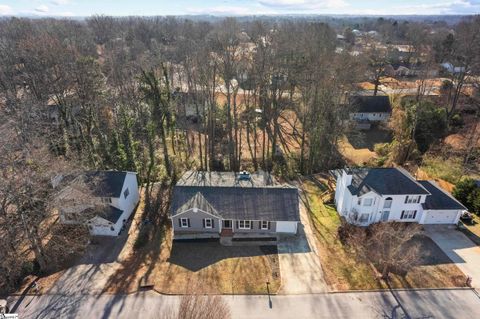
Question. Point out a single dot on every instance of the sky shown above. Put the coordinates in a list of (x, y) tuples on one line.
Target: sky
[(235, 7)]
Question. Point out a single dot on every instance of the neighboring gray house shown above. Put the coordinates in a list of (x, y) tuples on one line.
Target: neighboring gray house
[(240, 206)]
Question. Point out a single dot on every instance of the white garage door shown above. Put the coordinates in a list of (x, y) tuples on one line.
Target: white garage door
[(441, 217), (287, 227)]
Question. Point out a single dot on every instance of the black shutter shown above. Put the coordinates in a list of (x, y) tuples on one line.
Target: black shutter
[(268, 225), (401, 216), (414, 214), (180, 222), (260, 225), (188, 220), (203, 220), (251, 224), (213, 223), (406, 199), (236, 224)]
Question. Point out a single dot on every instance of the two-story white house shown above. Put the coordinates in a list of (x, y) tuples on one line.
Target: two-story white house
[(102, 200), (369, 195)]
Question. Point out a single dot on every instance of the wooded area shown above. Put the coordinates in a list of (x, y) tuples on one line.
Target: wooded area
[(159, 95)]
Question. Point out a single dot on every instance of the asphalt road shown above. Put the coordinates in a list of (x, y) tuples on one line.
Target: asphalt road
[(399, 304)]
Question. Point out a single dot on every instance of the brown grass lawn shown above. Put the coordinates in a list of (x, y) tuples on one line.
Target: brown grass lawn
[(355, 156), (344, 272), (473, 230), (175, 268)]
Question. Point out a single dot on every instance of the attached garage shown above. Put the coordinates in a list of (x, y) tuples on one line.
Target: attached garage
[(441, 216), (287, 227), (440, 207)]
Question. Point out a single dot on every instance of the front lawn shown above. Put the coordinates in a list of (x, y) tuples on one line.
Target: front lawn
[(344, 272), (208, 267), (472, 230)]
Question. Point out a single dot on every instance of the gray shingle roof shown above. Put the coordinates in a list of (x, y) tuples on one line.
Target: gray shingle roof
[(110, 213), (249, 203), (371, 104), (226, 179), (439, 199), (105, 183), (384, 181), (198, 201)]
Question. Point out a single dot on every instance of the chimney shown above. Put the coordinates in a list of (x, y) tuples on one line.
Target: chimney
[(347, 176)]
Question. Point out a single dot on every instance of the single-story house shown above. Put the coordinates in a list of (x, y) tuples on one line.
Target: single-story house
[(369, 195), (368, 109), (102, 200), (236, 205)]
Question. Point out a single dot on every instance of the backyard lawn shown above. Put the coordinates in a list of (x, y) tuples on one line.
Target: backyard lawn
[(344, 272)]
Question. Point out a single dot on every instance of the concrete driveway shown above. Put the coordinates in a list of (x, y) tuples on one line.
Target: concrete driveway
[(300, 265), (459, 248), (93, 271)]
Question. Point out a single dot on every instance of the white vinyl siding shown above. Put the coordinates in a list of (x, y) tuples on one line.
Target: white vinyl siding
[(367, 202)]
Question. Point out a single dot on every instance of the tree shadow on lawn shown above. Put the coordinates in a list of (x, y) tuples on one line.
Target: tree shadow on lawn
[(196, 255), (368, 139)]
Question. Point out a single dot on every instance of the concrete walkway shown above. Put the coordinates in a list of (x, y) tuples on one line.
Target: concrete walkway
[(459, 248), (300, 265), (399, 304)]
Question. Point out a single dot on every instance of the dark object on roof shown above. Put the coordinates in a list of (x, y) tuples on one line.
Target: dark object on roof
[(274, 203), (439, 199), (105, 183), (227, 179), (371, 104), (383, 181)]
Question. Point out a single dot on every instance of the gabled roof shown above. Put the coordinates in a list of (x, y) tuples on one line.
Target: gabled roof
[(221, 194), (198, 201), (243, 203), (371, 104), (383, 181), (104, 183), (439, 199)]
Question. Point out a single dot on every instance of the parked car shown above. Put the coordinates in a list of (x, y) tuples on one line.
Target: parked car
[(467, 218)]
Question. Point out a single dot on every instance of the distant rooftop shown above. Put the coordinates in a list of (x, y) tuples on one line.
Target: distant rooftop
[(229, 179), (371, 104)]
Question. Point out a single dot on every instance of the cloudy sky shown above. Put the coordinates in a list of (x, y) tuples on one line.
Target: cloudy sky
[(235, 7)]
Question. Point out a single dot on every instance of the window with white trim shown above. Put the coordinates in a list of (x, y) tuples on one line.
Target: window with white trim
[(408, 214), (413, 199), (208, 223), (359, 202), (364, 218), (367, 202), (184, 222), (244, 224), (264, 224)]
